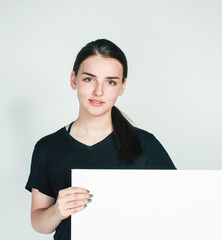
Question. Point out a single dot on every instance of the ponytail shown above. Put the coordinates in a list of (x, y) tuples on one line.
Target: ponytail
[(128, 145)]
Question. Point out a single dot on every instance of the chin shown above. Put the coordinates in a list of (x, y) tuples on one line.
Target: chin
[(99, 112)]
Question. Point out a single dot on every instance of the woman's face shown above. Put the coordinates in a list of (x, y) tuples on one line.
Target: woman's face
[(98, 84)]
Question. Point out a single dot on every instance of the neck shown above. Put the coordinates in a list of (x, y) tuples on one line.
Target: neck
[(94, 126)]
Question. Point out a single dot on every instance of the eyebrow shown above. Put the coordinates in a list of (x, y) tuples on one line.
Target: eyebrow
[(90, 74)]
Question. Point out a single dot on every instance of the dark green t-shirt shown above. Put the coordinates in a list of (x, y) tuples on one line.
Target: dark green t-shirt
[(56, 154)]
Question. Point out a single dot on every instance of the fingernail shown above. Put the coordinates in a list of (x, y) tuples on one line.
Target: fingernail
[(88, 191), (85, 205), (91, 195), (89, 200)]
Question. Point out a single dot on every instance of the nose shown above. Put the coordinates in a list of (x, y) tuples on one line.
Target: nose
[(98, 90)]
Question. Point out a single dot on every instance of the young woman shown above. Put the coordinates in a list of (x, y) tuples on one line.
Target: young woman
[(100, 138)]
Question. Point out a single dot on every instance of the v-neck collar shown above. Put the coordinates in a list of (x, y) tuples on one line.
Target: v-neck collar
[(74, 141)]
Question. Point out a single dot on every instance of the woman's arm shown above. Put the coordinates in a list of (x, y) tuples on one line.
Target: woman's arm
[(46, 214), (43, 214)]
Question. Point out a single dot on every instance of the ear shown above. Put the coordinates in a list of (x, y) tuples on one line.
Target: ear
[(122, 87), (73, 80)]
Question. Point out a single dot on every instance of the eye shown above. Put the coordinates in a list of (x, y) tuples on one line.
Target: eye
[(86, 79), (112, 82)]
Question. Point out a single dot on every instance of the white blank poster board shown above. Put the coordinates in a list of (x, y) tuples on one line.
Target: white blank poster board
[(149, 204)]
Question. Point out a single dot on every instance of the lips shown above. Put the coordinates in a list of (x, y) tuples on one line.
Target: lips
[(95, 101)]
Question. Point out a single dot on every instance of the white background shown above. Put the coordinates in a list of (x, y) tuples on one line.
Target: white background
[(173, 90)]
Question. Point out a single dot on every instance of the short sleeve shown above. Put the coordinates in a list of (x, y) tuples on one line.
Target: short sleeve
[(157, 156), (38, 177)]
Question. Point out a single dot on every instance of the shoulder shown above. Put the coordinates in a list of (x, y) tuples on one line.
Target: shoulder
[(148, 140), (156, 154), (144, 136), (49, 141)]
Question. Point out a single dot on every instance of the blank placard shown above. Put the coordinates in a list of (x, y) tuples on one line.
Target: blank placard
[(149, 204)]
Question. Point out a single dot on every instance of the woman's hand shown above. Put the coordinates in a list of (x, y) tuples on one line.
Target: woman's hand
[(71, 200)]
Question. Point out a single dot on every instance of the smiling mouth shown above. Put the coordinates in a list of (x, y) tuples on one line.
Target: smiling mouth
[(95, 101)]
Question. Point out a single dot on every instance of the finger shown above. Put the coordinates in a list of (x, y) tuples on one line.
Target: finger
[(80, 196), (72, 190), (75, 210), (78, 203), (76, 196)]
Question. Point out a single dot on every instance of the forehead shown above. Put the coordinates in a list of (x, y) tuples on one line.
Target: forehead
[(100, 65)]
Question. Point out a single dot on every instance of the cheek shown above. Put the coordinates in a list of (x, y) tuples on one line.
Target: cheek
[(113, 95), (83, 91)]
